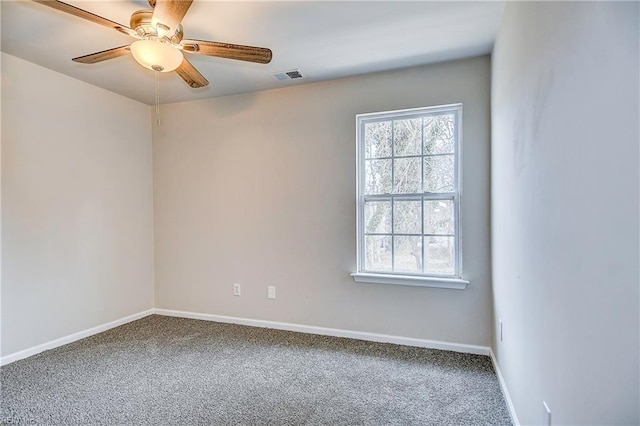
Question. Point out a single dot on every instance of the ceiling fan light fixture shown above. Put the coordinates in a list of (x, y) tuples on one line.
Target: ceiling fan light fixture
[(156, 55), (160, 44)]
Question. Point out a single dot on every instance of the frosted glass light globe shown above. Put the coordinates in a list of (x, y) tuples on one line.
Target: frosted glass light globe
[(155, 55)]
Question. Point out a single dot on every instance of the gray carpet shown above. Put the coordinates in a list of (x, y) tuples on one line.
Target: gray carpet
[(162, 370)]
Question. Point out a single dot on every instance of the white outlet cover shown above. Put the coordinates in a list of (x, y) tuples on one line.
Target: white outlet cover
[(271, 292)]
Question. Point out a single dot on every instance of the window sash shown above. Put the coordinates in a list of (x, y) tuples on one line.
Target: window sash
[(364, 119)]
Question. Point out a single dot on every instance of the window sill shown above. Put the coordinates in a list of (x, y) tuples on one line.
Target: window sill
[(450, 283)]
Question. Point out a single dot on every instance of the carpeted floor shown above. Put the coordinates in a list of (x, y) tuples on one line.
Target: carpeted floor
[(163, 370)]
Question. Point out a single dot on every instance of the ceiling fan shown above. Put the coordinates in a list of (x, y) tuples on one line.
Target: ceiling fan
[(160, 44)]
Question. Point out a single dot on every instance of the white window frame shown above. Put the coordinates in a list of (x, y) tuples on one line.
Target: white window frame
[(454, 281)]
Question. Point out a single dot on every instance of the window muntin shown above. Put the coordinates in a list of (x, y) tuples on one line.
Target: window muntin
[(408, 192)]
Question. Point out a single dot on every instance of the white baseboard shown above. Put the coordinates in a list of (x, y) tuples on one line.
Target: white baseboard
[(334, 332), (7, 359), (505, 391), (323, 331)]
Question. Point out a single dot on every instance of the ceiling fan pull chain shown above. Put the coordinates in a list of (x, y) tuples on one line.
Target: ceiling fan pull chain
[(157, 74)]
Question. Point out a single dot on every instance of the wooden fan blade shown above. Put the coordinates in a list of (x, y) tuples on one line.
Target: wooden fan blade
[(170, 12), (260, 55), (103, 56), (190, 75), (67, 8)]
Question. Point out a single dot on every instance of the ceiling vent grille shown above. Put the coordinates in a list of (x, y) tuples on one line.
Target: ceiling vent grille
[(288, 75)]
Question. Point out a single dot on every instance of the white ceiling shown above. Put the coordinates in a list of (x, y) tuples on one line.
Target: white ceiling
[(325, 40)]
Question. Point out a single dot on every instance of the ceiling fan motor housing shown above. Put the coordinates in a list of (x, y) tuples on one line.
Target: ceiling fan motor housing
[(141, 23)]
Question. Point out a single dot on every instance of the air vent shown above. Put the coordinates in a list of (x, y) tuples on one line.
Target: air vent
[(287, 75)]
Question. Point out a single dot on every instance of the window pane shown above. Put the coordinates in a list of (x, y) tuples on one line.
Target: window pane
[(439, 174), (377, 139), (438, 217), (377, 251), (377, 217), (408, 254), (407, 216), (439, 134), (439, 255), (403, 157), (407, 137), (377, 176), (407, 175)]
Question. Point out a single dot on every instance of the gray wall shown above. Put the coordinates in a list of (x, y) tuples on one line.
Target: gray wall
[(565, 209), (259, 189), (77, 206)]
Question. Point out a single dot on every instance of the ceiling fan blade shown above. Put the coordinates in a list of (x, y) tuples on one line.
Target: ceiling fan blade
[(103, 56), (67, 8), (170, 12), (260, 55), (190, 75)]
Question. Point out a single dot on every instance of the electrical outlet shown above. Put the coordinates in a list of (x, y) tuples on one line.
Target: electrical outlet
[(271, 292), (501, 334), (236, 289), (548, 412)]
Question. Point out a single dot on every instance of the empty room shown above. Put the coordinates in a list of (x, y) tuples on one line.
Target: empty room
[(320, 212)]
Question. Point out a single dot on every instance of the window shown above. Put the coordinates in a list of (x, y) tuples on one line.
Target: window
[(409, 197)]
